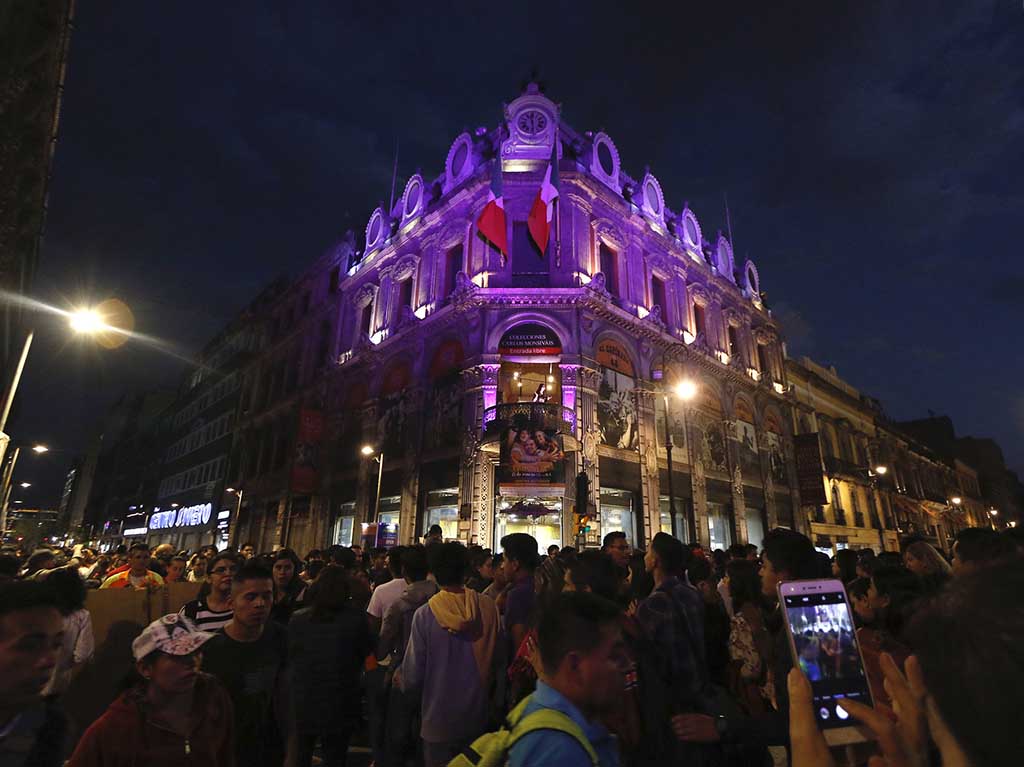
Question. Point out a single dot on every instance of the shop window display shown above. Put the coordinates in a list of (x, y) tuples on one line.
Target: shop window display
[(539, 517)]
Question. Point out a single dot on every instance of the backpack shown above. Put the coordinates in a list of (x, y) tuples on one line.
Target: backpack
[(491, 749)]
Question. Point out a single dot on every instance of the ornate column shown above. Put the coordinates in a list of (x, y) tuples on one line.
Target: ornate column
[(476, 493), (647, 445), (588, 381)]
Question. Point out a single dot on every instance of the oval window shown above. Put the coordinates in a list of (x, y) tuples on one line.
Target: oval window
[(459, 159), (412, 198), (691, 230), (652, 197), (605, 159), (374, 231)]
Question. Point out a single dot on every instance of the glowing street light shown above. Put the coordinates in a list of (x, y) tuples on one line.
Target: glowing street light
[(367, 450), (956, 500), (86, 321), (686, 390), (26, 485), (993, 512), (881, 470)]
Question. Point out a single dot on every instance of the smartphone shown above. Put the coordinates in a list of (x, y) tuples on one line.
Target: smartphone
[(823, 641)]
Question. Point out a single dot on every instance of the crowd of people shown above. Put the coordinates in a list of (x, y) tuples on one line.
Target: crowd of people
[(439, 653)]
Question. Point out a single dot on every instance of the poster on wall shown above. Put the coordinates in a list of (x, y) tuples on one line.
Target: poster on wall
[(776, 458), (746, 443), (712, 444), (306, 462), (677, 423), (531, 456), (616, 410), (529, 339), (442, 414)]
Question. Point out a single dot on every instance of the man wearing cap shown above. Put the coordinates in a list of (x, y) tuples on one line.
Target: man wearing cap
[(174, 715)]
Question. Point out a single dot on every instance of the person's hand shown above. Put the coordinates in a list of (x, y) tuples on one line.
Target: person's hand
[(806, 743), (695, 728), (902, 737), (634, 606)]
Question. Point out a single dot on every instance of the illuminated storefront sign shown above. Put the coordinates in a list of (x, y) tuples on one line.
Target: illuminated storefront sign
[(188, 516)]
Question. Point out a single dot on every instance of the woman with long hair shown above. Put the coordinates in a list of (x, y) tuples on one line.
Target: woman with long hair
[(174, 714), (327, 644), (288, 584), (750, 644), (893, 595), (926, 563)]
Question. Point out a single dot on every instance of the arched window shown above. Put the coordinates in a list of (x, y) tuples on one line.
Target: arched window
[(837, 505)]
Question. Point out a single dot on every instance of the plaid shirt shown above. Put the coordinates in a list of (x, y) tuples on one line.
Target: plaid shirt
[(672, 618)]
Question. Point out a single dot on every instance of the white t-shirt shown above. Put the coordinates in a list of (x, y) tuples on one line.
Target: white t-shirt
[(384, 596)]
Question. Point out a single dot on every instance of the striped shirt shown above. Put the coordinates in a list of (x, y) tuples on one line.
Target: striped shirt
[(205, 618)]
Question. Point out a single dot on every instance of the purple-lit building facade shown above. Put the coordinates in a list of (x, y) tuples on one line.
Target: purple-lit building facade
[(428, 344)]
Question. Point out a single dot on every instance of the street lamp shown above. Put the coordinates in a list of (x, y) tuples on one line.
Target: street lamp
[(26, 485), (238, 509), (685, 390), (40, 449), (956, 500), (368, 451), (881, 470)]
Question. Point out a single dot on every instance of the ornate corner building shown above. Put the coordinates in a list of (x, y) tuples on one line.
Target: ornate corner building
[(483, 383)]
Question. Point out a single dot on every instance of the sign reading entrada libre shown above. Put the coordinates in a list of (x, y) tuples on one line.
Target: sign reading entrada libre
[(529, 338), (188, 516)]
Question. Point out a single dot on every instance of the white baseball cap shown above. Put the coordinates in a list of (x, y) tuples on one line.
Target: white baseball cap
[(172, 634)]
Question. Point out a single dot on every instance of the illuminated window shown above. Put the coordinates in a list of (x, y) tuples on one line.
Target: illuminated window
[(366, 319), (699, 320), (452, 266), (405, 293), (734, 342), (659, 297), (609, 268)]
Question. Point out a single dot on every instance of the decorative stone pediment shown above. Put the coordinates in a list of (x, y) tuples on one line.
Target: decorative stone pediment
[(609, 233), (405, 267), (364, 295)]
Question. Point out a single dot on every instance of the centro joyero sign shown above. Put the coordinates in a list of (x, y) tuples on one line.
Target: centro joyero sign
[(189, 516)]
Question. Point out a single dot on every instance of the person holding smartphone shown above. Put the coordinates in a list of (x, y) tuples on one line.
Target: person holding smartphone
[(963, 689), (787, 556)]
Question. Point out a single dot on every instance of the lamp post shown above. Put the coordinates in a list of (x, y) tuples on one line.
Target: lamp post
[(238, 508), (369, 451), (686, 390)]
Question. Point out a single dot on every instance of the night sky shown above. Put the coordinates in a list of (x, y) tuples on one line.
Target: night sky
[(872, 155)]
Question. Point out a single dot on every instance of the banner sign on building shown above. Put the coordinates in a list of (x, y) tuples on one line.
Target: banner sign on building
[(612, 354), (531, 456), (187, 516), (529, 339), (306, 466), (808, 470)]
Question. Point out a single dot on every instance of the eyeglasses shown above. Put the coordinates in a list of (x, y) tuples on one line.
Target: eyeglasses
[(222, 570)]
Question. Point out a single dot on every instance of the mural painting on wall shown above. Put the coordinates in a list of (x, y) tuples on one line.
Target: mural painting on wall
[(394, 411), (776, 449), (746, 439), (677, 423), (443, 401), (712, 447), (531, 456), (616, 410)]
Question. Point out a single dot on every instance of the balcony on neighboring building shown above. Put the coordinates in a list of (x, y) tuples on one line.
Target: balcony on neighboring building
[(843, 469)]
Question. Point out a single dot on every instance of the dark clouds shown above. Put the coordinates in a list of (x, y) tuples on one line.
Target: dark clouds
[(871, 153)]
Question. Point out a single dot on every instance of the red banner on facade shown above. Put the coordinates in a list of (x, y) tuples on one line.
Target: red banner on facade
[(808, 470), (306, 462)]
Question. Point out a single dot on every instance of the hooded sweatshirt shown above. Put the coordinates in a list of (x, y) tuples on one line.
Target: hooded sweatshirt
[(127, 736), (450, 660)]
